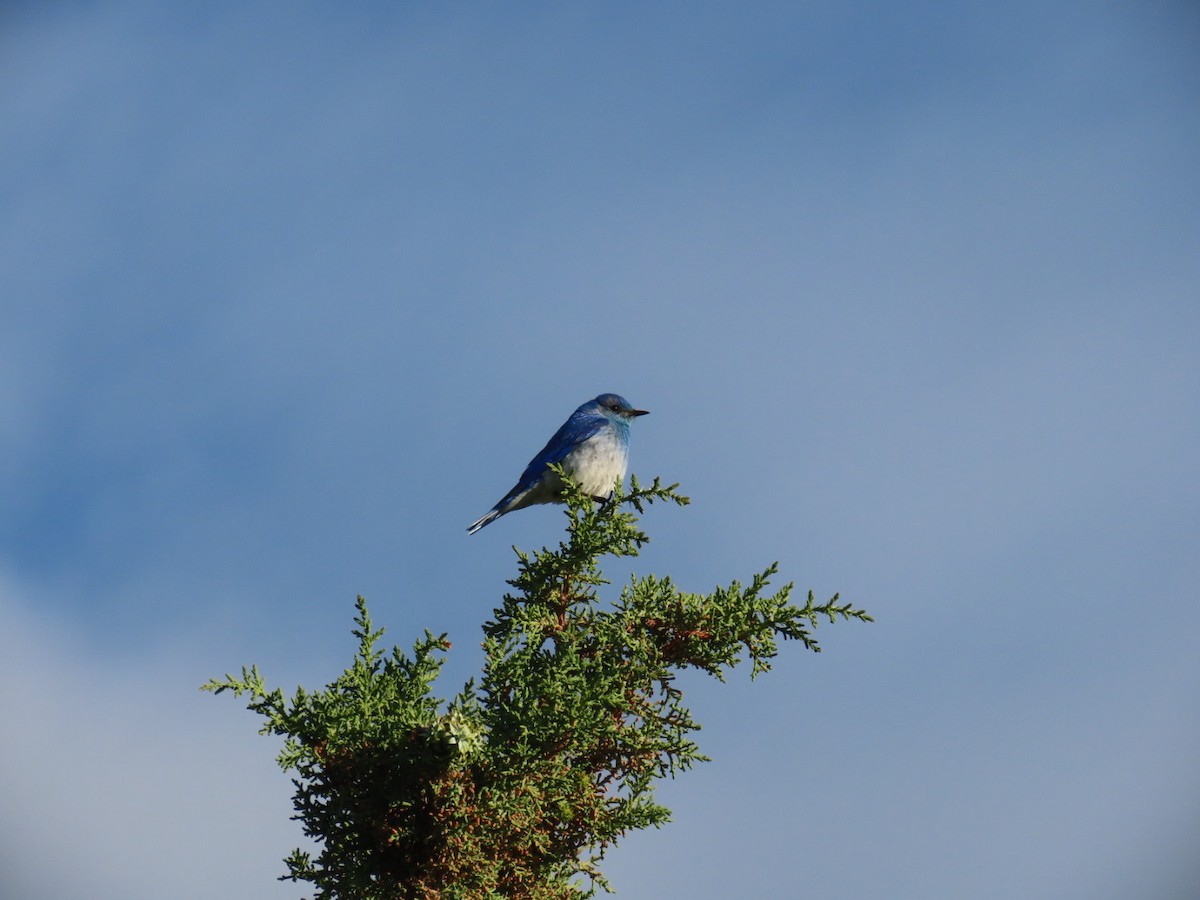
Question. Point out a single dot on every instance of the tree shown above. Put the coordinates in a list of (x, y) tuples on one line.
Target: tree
[(518, 787)]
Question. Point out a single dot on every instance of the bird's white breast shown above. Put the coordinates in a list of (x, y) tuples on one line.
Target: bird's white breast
[(598, 463)]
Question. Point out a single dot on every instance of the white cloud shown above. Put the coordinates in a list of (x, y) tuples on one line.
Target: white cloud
[(119, 779)]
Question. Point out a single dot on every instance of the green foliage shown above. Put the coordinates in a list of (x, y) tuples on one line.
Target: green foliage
[(519, 787)]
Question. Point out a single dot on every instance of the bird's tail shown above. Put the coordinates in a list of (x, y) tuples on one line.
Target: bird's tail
[(479, 523)]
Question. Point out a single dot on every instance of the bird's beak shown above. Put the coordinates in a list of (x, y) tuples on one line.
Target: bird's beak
[(638, 412)]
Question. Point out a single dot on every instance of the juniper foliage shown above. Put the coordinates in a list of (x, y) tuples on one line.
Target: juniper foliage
[(519, 786)]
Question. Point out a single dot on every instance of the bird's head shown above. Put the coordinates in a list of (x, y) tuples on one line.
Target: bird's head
[(613, 406)]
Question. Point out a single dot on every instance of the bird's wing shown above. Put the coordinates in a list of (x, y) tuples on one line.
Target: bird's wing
[(573, 432)]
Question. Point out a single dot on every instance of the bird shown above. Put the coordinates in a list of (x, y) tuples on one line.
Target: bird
[(592, 447)]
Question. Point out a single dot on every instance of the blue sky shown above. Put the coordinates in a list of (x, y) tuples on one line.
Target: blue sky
[(290, 295)]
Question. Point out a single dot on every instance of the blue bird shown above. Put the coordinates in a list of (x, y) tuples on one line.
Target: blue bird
[(592, 447)]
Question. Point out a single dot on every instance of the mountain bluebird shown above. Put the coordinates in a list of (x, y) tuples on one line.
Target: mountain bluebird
[(592, 447)]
